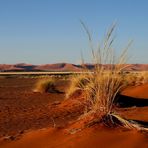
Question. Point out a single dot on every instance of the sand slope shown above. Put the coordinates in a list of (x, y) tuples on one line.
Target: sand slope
[(95, 137), (31, 117)]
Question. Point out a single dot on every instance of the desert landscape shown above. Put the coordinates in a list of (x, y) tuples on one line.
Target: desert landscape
[(33, 117), (67, 105), (68, 80)]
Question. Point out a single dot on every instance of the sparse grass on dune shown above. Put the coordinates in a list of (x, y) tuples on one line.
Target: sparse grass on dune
[(45, 85), (136, 78), (145, 76), (101, 87), (78, 82), (130, 79)]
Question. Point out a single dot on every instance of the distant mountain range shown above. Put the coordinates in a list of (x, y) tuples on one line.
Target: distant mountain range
[(63, 67)]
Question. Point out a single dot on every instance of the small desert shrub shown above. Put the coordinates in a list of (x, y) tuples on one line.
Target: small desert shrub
[(45, 85)]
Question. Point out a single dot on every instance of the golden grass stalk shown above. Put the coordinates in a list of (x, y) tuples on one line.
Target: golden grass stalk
[(117, 120)]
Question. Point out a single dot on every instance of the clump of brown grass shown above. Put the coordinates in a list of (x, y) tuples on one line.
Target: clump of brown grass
[(136, 78), (104, 84), (45, 85), (101, 86), (130, 79), (78, 82), (145, 76)]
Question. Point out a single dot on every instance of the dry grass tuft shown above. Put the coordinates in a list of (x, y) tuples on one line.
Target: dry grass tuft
[(78, 82), (136, 78), (145, 76), (45, 85), (101, 86)]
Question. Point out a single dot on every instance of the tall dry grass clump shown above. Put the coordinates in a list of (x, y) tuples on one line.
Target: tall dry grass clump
[(103, 84), (78, 83)]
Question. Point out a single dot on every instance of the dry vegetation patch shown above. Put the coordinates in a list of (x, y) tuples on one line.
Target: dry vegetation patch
[(100, 87), (45, 85)]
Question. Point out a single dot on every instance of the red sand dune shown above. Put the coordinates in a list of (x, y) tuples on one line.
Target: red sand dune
[(58, 67), (95, 137), (138, 67), (34, 108), (5, 67), (62, 67), (137, 91)]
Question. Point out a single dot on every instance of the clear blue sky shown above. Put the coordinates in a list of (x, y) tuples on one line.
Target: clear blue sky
[(49, 31)]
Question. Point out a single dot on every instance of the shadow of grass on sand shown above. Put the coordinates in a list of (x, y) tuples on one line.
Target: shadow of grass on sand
[(127, 101)]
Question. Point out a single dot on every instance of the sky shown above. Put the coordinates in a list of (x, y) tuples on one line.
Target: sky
[(49, 31)]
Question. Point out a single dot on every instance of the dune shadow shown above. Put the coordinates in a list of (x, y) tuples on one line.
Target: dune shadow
[(141, 123), (127, 101)]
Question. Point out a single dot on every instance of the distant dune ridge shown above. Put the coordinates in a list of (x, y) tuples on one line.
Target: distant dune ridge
[(63, 67)]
